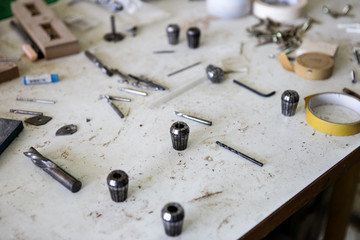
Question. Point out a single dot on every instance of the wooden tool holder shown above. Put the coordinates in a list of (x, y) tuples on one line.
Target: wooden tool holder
[(8, 70), (50, 34)]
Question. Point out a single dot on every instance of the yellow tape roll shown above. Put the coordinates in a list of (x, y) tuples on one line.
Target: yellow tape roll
[(329, 127), (315, 66)]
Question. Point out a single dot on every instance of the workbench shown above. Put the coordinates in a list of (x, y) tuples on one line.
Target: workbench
[(224, 195)]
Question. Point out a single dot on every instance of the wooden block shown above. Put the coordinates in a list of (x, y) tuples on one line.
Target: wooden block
[(8, 70), (45, 28)]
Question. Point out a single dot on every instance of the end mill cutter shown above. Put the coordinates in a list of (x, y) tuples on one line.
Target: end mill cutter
[(173, 215), (54, 170)]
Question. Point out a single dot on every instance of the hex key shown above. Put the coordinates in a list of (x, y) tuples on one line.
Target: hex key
[(253, 90)]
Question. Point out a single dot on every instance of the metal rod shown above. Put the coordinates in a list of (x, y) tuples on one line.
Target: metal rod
[(183, 69), (116, 109), (239, 154), (133, 91), (115, 98), (10, 59), (163, 51), (241, 48), (253, 90), (352, 93), (26, 112), (356, 56), (35, 100), (196, 119)]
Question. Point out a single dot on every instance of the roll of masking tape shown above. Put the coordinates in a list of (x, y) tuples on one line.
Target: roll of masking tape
[(279, 10), (228, 8), (339, 105), (315, 66)]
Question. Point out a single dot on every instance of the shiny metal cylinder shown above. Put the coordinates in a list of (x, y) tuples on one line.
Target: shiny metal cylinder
[(193, 37), (173, 33), (118, 182), (214, 74), (289, 102), (179, 132), (173, 215)]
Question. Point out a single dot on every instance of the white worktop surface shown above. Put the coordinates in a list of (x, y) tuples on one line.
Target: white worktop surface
[(224, 195)]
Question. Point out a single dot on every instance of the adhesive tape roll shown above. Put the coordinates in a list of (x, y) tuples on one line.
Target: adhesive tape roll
[(228, 8), (279, 10), (315, 66), (339, 105)]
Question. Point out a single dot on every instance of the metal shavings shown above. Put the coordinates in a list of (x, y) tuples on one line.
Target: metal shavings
[(288, 37)]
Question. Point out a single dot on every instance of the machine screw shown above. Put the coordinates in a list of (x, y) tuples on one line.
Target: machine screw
[(193, 37), (289, 101), (179, 135), (113, 36), (118, 182), (173, 215)]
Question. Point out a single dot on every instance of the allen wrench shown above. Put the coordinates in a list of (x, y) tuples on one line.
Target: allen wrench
[(253, 90)]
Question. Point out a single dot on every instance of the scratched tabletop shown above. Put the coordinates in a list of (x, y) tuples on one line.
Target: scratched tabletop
[(224, 195)]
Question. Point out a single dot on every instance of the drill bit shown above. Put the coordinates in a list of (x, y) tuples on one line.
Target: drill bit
[(53, 170)]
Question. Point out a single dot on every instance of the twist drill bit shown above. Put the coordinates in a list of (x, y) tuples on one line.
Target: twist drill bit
[(54, 170)]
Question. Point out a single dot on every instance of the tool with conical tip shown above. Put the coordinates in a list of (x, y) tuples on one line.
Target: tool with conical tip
[(53, 170)]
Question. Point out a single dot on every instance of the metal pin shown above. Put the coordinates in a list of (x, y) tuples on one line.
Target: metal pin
[(26, 112), (36, 100), (115, 98), (356, 56), (133, 91), (239, 154), (352, 93), (353, 79), (116, 109), (10, 59), (163, 51), (183, 69), (196, 119), (241, 48)]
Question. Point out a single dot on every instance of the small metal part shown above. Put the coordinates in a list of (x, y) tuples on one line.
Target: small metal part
[(113, 36), (133, 91), (173, 33), (196, 119), (26, 112), (179, 132), (344, 12), (163, 51), (54, 170), (113, 5), (352, 93), (353, 78), (173, 215), (115, 108), (115, 98), (356, 56), (133, 30), (66, 130), (289, 102), (241, 48), (98, 63), (118, 183), (183, 69), (10, 59), (38, 120), (239, 153), (214, 74), (35, 100), (253, 90), (193, 37)]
